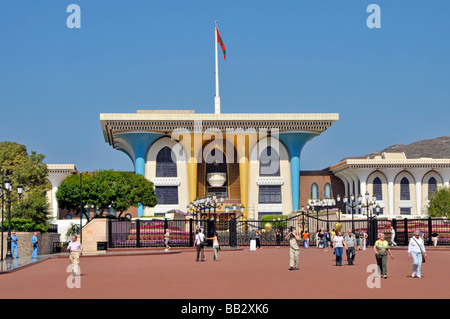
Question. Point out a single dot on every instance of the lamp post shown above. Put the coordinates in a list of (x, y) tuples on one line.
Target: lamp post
[(371, 209), (338, 204), (8, 189), (2, 196), (328, 203), (352, 205)]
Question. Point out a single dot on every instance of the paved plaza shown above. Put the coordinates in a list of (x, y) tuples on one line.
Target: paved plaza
[(240, 274)]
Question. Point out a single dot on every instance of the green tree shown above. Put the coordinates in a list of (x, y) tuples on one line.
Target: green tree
[(30, 171), (106, 188), (68, 194), (439, 205)]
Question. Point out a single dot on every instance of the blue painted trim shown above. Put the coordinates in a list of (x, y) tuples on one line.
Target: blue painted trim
[(140, 143), (294, 143)]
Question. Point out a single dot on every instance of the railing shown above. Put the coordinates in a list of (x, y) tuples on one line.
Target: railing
[(150, 233)]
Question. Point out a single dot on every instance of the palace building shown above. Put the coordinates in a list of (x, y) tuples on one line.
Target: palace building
[(249, 160), (402, 186)]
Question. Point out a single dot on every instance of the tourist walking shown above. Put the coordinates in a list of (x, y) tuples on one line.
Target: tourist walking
[(364, 240), (199, 243), (166, 240), (393, 243), (278, 238), (14, 245), (294, 250), (358, 240), (434, 238), (306, 239), (382, 251), (320, 237), (35, 243), (326, 240), (351, 246), (258, 242), (75, 248), (216, 245), (416, 251), (338, 244)]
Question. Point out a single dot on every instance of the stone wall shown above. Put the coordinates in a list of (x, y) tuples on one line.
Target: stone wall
[(26, 248), (93, 232)]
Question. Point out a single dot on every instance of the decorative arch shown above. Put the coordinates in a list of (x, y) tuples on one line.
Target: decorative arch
[(327, 191), (377, 184), (405, 194), (314, 191), (219, 149), (165, 164), (428, 188)]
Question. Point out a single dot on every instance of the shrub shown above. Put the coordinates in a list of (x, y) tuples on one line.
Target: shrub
[(24, 225), (269, 219)]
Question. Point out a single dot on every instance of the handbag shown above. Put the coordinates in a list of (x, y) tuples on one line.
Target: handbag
[(423, 257)]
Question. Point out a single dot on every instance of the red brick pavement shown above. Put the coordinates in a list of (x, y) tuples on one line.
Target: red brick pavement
[(262, 274)]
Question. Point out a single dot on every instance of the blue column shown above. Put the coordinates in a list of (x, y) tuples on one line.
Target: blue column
[(140, 143), (294, 143)]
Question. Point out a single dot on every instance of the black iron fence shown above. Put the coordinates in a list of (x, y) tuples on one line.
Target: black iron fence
[(150, 233)]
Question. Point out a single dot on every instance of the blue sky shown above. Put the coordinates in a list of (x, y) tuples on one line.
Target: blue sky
[(389, 85)]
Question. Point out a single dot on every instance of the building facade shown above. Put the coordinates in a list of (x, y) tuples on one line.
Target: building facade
[(250, 160), (402, 186)]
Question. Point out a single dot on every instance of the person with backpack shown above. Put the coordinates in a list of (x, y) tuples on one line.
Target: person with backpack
[(199, 243)]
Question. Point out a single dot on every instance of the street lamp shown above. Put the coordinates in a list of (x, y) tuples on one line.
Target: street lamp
[(8, 190), (338, 199), (352, 205), (371, 209)]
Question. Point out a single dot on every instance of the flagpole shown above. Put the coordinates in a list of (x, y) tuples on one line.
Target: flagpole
[(217, 97)]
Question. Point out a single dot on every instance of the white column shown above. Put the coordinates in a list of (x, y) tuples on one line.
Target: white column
[(390, 176), (54, 202), (356, 190), (445, 174), (418, 174), (346, 191), (351, 191), (363, 174), (419, 197), (56, 179)]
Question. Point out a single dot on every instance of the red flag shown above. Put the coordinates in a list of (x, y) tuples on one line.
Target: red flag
[(222, 45)]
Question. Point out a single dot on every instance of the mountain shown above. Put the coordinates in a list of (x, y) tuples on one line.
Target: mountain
[(435, 148)]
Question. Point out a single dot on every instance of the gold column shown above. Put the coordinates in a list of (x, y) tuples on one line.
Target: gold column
[(195, 147), (244, 142), (243, 177)]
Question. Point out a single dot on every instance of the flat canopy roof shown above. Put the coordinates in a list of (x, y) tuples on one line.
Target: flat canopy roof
[(166, 121)]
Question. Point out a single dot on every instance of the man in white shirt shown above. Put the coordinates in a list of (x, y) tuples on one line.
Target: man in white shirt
[(200, 243), (75, 249), (393, 243), (416, 250)]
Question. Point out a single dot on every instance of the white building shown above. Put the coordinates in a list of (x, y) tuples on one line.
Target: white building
[(401, 185)]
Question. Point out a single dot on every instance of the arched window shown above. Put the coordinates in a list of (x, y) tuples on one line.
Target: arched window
[(404, 189), (327, 191), (432, 186), (378, 188), (269, 162), (165, 166), (314, 191)]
